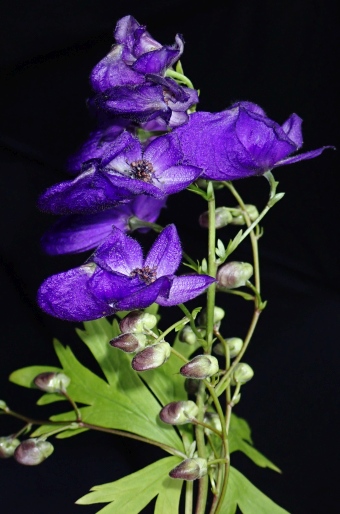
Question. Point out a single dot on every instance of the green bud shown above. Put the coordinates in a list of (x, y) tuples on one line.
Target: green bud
[(137, 321), (187, 335), (219, 314), (234, 344), (33, 451), (151, 357), (3, 405), (129, 343), (234, 274), (52, 382), (238, 218), (8, 446), (242, 373), (179, 413), (200, 367), (190, 469), (211, 418), (222, 218)]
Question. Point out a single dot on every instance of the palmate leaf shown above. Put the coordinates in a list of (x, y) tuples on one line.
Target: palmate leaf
[(240, 439), (123, 402), (250, 500), (133, 492)]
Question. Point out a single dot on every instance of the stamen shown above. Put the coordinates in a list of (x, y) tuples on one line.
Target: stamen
[(147, 274), (142, 170)]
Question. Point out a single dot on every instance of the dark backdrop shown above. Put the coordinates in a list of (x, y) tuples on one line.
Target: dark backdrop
[(281, 55)]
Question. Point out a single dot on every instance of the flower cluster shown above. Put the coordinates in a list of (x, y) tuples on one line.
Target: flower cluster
[(149, 143)]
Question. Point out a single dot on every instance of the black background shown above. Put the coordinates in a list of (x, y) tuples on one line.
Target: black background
[(282, 55)]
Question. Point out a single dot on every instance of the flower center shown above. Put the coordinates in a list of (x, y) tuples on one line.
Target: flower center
[(147, 274), (142, 170)]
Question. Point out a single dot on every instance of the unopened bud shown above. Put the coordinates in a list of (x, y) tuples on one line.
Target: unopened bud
[(33, 451), (190, 469), (137, 321), (129, 343), (219, 314), (179, 413), (234, 274), (222, 218), (52, 382), (3, 405), (151, 357), (212, 419), (234, 344), (187, 335), (200, 367), (8, 446), (242, 373), (239, 219)]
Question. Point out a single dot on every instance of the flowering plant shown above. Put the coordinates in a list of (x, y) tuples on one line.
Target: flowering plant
[(174, 386)]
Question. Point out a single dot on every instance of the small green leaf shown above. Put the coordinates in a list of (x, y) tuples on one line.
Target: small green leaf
[(195, 312), (48, 398), (250, 500), (233, 244), (133, 492), (25, 376)]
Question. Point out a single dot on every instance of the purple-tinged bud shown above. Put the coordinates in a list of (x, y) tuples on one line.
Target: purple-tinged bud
[(234, 344), (52, 382), (212, 419), (200, 367), (129, 343), (187, 335), (234, 274), (151, 357), (137, 321), (8, 446), (242, 373), (238, 219), (179, 413), (190, 469), (222, 218), (33, 451)]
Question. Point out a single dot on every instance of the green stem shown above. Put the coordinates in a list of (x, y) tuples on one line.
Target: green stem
[(189, 490), (179, 355), (211, 266), (201, 450), (74, 405), (170, 329), (180, 77), (191, 320)]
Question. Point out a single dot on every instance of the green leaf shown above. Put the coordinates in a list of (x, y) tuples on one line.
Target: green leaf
[(133, 492), (233, 244), (250, 500), (240, 439), (125, 403), (25, 376)]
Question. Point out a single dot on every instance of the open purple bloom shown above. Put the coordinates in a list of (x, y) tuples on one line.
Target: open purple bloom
[(134, 55), (117, 277), (240, 142), (81, 232), (128, 169)]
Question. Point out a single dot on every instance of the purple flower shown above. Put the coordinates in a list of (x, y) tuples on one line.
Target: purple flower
[(240, 142), (81, 232), (125, 171), (134, 55), (158, 97), (117, 277)]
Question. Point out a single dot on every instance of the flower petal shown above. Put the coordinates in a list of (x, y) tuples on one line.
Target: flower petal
[(119, 253), (292, 127), (303, 156), (185, 288), (144, 296), (166, 252)]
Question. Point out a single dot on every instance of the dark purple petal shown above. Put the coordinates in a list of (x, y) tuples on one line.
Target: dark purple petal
[(144, 296), (68, 296), (125, 29), (177, 178), (119, 253), (113, 71), (156, 61), (302, 156), (90, 192), (163, 152), (185, 288), (143, 42), (166, 252), (292, 127), (147, 208), (97, 144), (139, 103)]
